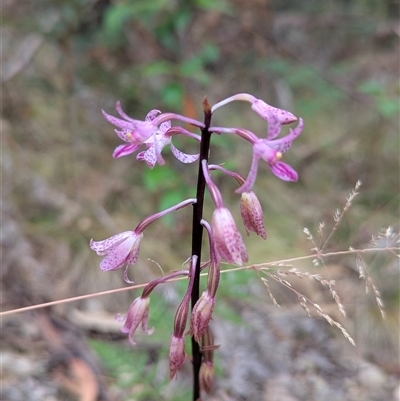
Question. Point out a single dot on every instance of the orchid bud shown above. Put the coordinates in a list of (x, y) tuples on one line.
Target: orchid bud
[(252, 214), (227, 239), (176, 355), (201, 315), (138, 313), (206, 375)]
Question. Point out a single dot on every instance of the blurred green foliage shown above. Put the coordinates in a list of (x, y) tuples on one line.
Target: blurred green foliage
[(386, 100), (167, 22)]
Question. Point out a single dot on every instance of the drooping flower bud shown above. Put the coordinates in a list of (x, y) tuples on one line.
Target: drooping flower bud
[(201, 315), (177, 346), (252, 214), (227, 239), (138, 313), (176, 355), (206, 374)]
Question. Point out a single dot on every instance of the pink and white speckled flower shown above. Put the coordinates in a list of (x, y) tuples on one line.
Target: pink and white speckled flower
[(270, 150), (160, 140), (252, 214), (121, 249), (155, 132), (227, 239)]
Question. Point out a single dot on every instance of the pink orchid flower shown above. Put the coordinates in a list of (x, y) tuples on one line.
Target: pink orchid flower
[(269, 149), (120, 250), (155, 132)]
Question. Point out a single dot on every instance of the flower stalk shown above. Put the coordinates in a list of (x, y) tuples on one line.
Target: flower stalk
[(155, 133), (197, 237)]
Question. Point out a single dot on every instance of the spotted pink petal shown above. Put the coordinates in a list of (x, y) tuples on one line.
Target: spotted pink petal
[(133, 130), (183, 157), (274, 127), (152, 114), (124, 150), (102, 247), (120, 249), (125, 125), (283, 144), (153, 154), (284, 171), (125, 135), (165, 126), (126, 252), (264, 110)]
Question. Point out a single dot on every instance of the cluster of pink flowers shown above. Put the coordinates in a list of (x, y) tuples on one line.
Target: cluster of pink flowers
[(225, 241)]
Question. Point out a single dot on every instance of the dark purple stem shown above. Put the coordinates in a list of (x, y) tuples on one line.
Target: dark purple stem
[(197, 235)]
